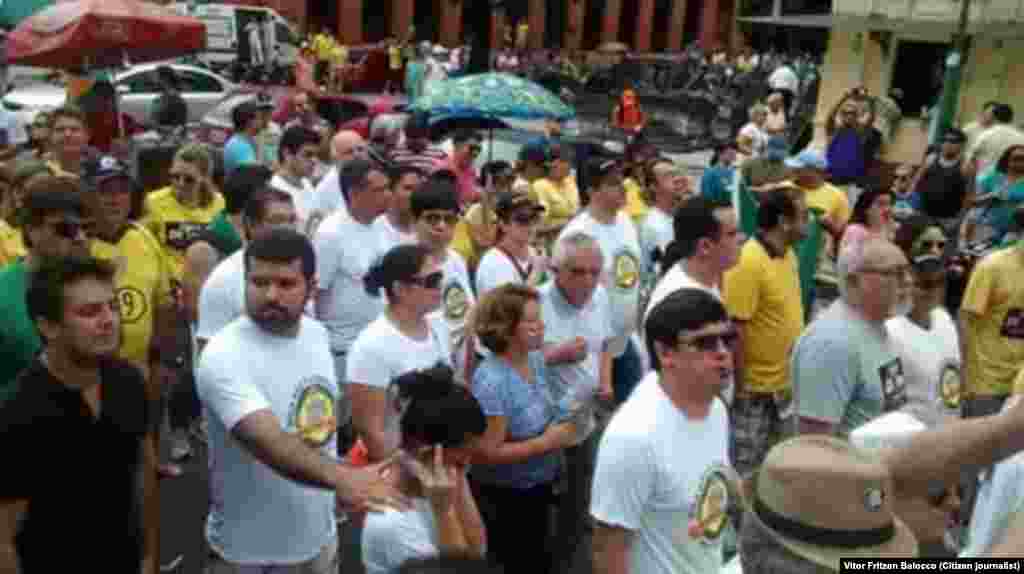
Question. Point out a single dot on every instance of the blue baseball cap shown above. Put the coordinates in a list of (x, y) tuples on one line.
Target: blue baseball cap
[(808, 159)]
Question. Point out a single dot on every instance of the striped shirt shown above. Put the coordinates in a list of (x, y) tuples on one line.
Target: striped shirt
[(429, 159)]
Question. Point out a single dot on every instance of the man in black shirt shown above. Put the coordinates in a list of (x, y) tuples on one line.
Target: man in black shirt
[(941, 184), (77, 436)]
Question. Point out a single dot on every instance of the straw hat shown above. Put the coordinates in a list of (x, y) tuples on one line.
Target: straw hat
[(824, 500)]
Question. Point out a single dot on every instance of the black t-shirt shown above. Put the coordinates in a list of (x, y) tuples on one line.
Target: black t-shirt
[(79, 473), (942, 190), (170, 110)]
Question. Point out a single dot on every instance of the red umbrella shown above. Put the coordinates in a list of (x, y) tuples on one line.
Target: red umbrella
[(85, 34)]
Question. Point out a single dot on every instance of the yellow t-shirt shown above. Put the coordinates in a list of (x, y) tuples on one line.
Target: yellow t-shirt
[(635, 207), (764, 293), (831, 200), (143, 284), (462, 241), (395, 57), (561, 200), (12, 246), (995, 333), (177, 226), (339, 55), (322, 45)]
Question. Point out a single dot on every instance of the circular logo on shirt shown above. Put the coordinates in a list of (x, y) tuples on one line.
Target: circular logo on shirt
[(712, 503), (627, 270), (132, 304), (949, 386), (456, 304), (314, 417)]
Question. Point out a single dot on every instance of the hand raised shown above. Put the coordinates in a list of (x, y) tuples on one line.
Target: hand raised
[(369, 488), (438, 480)]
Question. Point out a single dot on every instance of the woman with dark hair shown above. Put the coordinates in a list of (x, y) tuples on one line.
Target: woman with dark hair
[(400, 340), (999, 192), (517, 461), (926, 338), (718, 179), (871, 217), (441, 422)]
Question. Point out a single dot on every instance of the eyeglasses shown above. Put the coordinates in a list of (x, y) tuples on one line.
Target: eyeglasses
[(434, 218), (711, 342), (68, 229), (528, 218), (182, 178), (901, 273), (430, 281), (929, 244)]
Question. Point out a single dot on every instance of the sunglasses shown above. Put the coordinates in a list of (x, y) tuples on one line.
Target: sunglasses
[(928, 245), (434, 218), (930, 284), (68, 229), (183, 178), (430, 281), (711, 342), (525, 218)]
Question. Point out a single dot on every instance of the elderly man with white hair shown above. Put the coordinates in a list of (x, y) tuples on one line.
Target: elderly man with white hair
[(845, 370), (577, 323), (328, 197)]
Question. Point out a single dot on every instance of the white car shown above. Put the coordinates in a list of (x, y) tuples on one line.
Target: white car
[(137, 88)]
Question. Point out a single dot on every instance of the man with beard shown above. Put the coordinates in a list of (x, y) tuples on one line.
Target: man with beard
[(79, 395), (762, 294), (845, 371), (267, 381)]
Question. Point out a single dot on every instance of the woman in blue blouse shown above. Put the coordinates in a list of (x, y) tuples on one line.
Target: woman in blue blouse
[(517, 461)]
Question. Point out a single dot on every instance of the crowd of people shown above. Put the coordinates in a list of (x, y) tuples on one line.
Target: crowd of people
[(395, 346)]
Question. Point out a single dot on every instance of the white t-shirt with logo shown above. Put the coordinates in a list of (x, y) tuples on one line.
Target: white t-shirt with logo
[(381, 353), (302, 196), (257, 516), (394, 235), (563, 323), (222, 298), (456, 301), (622, 259), (345, 251), (657, 472), (931, 358), (392, 537)]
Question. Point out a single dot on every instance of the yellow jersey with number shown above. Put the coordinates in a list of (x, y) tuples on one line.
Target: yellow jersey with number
[(12, 246), (177, 226), (143, 284)]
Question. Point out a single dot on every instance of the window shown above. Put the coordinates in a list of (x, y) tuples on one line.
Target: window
[(192, 82), (141, 83), (917, 72)]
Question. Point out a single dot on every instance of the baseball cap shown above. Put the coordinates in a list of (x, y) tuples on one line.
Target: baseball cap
[(96, 171), (510, 201), (248, 109), (808, 159)]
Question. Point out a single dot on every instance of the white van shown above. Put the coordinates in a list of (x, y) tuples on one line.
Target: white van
[(226, 32)]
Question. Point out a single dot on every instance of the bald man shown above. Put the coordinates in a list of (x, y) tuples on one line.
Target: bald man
[(346, 145)]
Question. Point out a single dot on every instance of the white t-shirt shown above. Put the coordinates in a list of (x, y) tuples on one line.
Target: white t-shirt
[(621, 248), (302, 196), (222, 298), (784, 78), (656, 232), (758, 139), (496, 269), (564, 322), (656, 472), (327, 196), (345, 251), (381, 353), (673, 280), (930, 358), (456, 301), (392, 537), (394, 235), (1000, 496), (257, 516)]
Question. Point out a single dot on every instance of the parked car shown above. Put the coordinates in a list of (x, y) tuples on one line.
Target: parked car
[(137, 88)]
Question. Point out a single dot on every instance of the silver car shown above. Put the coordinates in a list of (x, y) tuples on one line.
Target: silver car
[(137, 88)]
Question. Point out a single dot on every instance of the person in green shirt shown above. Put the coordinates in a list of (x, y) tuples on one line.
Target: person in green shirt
[(52, 224), (224, 232)]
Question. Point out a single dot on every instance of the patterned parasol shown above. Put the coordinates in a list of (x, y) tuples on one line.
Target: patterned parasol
[(493, 95)]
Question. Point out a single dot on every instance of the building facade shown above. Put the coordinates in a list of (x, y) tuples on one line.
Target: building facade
[(887, 45), (644, 25)]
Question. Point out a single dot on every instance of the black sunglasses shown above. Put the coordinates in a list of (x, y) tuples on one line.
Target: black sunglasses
[(430, 281), (711, 342), (525, 218), (435, 218)]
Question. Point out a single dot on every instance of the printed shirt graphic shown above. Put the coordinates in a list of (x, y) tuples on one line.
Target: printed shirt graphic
[(456, 301), (177, 226), (995, 299), (664, 477)]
